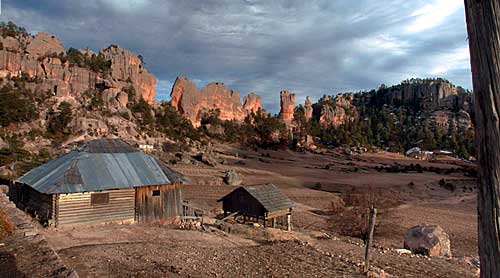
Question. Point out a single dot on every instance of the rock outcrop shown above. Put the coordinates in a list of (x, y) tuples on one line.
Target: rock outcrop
[(45, 44), (287, 104), (126, 66), (39, 59), (192, 103), (231, 177), (308, 108), (335, 110), (429, 240), (252, 103), (428, 95)]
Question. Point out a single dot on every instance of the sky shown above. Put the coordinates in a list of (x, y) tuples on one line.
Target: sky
[(311, 48)]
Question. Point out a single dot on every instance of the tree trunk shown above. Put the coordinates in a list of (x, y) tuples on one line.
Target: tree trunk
[(483, 23)]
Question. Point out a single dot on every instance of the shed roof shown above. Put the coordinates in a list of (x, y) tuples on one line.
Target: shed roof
[(268, 195), (100, 165)]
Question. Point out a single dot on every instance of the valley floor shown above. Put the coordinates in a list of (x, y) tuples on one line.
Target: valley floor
[(314, 248)]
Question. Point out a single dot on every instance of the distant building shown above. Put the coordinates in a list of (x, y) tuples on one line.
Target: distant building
[(417, 153), (146, 147), (104, 181), (262, 202)]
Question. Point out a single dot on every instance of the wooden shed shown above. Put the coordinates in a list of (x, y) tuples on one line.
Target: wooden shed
[(262, 202), (104, 181)]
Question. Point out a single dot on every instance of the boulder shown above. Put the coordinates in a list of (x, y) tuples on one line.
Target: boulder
[(207, 158), (231, 177), (429, 240)]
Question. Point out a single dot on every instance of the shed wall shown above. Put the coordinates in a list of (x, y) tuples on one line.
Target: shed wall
[(240, 200), (37, 204), (154, 208), (76, 208)]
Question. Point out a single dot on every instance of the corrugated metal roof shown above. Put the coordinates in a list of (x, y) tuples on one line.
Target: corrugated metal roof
[(268, 195), (84, 171)]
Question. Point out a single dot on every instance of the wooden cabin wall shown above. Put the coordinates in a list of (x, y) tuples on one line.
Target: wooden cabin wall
[(153, 208), (243, 202), (76, 208), (37, 204)]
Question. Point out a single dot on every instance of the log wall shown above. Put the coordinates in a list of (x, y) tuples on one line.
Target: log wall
[(76, 208)]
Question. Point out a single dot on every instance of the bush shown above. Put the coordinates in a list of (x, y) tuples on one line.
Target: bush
[(93, 62), (57, 124), (6, 228), (174, 125), (354, 219), (16, 106), (144, 109), (10, 29)]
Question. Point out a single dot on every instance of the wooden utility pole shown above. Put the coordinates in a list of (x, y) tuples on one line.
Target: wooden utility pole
[(483, 26), (371, 228)]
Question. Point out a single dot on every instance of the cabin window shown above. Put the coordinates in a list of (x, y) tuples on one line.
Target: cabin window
[(99, 198), (156, 193)]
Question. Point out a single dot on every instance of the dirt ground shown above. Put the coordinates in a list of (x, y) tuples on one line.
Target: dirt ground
[(313, 182), (150, 251)]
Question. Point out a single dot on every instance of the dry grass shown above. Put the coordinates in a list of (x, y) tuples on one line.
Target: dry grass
[(6, 228)]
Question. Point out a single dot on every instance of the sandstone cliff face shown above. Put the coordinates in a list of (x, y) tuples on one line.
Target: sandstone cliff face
[(429, 96), (43, 44), (32, 56), (125, 65), (191, 102), (252, 103), (287, 104)]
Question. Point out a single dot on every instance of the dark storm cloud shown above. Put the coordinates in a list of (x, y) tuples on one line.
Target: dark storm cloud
[(309, 47)]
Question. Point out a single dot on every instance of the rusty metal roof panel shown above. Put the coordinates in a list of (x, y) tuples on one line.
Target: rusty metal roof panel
[(82, 171)]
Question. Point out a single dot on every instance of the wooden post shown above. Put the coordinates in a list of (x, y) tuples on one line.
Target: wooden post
[(289, 222), (483, 27), (274, 222), (371, 227)]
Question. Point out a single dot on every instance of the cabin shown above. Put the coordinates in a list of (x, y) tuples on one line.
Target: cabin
[(261, 202), (104, 181)]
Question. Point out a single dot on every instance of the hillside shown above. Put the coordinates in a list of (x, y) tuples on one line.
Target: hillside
[(52, 97)]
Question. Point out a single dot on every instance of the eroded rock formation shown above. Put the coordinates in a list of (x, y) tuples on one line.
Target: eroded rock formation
[(38, 58), (192, 102), (308, 108), (125, 65), (335, 110), (252, 103), (287, 104)]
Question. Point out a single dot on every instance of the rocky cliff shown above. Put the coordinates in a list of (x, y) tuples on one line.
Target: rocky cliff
[(335, 110), (287, 105), (252, 103), (102, 89), (192, 102), (44, 59), (427, 95), (437, 101)]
